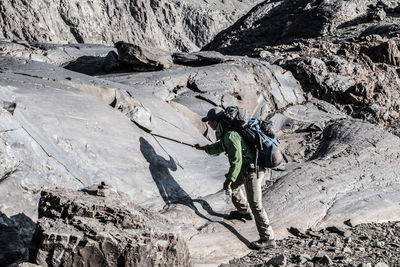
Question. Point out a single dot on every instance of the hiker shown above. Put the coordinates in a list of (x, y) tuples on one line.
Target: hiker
[(242, 171)]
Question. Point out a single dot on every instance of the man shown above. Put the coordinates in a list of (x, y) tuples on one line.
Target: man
[(242, 171)]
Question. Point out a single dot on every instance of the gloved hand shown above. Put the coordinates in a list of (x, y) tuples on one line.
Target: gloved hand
[(199, 147), (227, 184)]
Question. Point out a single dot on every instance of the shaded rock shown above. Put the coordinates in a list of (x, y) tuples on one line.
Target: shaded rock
[(143, 59), (201, 58), (386, 52), (111, 62), (277, 261), (297, 232), (15, 233), (75, 227), (339, 231), (381, 264), (325, 260), (88, 65), (384, 29), (348, 223)]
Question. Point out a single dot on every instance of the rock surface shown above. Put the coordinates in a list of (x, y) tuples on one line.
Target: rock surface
[(171, 25), (89, 227)]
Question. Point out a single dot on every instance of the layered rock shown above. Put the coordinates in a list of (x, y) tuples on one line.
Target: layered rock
[(99, 226), (177, 25)]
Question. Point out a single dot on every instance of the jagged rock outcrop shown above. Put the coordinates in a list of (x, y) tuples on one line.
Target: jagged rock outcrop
[(171, 25), (360, 77), (101, 227), (277, 22)]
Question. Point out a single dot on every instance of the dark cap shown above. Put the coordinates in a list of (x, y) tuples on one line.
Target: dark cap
[(213, 114)]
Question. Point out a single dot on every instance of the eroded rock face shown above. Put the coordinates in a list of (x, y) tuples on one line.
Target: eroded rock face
[(277, 22), (177, 25), (359, 77), (85, 227)]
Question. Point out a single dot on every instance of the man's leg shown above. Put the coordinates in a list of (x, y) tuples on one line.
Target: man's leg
[(238, 199), (254, 196)]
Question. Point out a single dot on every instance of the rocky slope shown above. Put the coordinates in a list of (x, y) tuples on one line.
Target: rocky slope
[(275, 22), (362, 245), (172, 25), (333, 102)]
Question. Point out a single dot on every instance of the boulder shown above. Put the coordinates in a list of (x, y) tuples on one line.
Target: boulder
[(85, 227), (140, 58)]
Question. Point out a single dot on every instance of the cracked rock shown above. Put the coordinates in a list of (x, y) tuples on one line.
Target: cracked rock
[(75, 227)]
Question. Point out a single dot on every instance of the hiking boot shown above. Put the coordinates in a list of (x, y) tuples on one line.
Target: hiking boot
[(262, 244), (239, 216)]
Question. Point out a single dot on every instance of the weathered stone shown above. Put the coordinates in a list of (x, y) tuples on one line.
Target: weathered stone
[(386, 52), (381, 264), (75, 227), (339, 231), (348, 223), (297, 232), (141, 58), (278, 261), (325, 260)]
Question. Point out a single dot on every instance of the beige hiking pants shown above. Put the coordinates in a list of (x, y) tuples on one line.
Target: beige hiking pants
[(253, 203)]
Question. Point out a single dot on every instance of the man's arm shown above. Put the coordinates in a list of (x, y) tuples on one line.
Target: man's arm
[(212, 149)]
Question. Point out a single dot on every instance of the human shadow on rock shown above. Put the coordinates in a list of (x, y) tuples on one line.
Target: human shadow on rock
[(171, 191)]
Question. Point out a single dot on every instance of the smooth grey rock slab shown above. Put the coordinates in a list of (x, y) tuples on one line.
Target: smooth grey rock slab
[(76, 228), (55, 53), (259, 87), (61, 136), (353, 174), (171, 25)]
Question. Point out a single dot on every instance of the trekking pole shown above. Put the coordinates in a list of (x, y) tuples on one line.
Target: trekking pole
[(157, 135), (173, 140)]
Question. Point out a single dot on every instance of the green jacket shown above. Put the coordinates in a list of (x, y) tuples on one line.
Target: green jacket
[(239, 154)]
